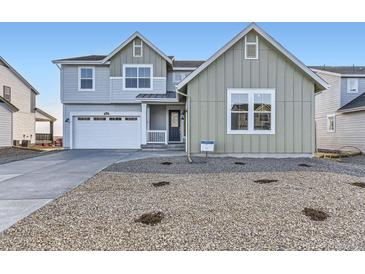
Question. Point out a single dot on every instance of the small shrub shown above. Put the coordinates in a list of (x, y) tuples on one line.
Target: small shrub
[(240, 163), (166, 163)]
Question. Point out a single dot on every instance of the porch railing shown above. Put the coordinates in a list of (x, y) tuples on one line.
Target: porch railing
[(157, 136)]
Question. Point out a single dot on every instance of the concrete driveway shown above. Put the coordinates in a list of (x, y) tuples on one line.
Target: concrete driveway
[(27, 185)]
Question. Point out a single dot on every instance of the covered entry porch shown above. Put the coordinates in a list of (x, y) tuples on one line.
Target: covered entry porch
[(163, 123)]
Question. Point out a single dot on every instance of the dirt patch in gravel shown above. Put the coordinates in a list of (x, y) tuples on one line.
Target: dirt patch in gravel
[(304, 165), (265, 181), (315, 214), (151, 218), (359, 184), (162, 183)]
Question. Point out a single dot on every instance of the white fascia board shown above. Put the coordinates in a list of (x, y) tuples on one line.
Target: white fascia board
[(323, 84), (185, 68), (326, 72), (80, 62), (131, 38)]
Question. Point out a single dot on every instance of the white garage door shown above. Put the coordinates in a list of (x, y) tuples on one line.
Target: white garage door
[(123, 132)]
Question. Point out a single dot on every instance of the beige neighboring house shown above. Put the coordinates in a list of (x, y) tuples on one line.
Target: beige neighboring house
[(340, 110), (18, 110)]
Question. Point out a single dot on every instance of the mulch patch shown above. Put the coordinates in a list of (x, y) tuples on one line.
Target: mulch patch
[(151, 218), (162, 183), (240, 163), (265, 181), (359, 184), (314, 214), (166, 163), (304, 165)]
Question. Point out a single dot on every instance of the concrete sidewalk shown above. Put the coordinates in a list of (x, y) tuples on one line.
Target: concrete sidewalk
[(27, 185)]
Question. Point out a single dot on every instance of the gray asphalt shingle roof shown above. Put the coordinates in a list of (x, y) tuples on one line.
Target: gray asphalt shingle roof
[(85, 58), (180, 64), (167, 95), (342, 69), (358, 102), (187, 64)]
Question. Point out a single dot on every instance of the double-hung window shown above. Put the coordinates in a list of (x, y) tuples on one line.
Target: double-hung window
[(86, 78), (138, 77), (251, 47), (137, 48), (352, 85), (7, 93), (250, 111)]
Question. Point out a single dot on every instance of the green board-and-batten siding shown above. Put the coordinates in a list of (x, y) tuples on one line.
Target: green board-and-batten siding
[(294, 102), (150, 56)]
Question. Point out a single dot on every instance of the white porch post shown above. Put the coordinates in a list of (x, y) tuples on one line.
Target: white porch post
[(144, 124)]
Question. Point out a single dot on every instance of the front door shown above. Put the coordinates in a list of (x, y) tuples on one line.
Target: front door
[(174, 125)]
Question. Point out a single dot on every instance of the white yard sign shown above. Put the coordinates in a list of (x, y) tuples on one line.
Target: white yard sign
[(207, 146)]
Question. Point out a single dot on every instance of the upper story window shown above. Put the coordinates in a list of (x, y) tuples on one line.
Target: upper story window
[(137, 48), (251, 111), (352, 85), (251, 47), (7, 93), (177, 77), (138, 77), (87, 78)]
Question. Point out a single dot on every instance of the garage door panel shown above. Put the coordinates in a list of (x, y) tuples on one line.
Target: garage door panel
[(120, 132)]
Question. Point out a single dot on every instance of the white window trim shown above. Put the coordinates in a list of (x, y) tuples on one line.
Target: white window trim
[(257, 48), (125, 66), (79, 79), (348, 85), (250, 92), (334, 123), (137, 46)]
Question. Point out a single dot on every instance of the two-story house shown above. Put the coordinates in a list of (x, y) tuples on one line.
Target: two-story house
[(340, 110), (251, 97), (18, 112)]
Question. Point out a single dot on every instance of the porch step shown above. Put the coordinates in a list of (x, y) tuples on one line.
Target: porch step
[(170, 147)]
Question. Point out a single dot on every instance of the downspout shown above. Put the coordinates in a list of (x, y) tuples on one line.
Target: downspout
[(187, 125)]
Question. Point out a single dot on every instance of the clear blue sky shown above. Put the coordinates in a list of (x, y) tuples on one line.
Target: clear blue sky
[(30, 47)]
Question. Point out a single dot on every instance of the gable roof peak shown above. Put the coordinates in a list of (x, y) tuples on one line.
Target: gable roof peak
[(131, 38), (320, 83)]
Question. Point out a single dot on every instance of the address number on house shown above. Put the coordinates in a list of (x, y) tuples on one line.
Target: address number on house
[(207, 146)]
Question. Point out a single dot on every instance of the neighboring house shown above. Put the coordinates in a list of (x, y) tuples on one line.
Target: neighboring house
[(17, 92), (250, 97), (340, 110), (6, 122)]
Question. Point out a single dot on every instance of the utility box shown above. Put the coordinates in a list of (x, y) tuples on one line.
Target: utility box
[(207, 146)]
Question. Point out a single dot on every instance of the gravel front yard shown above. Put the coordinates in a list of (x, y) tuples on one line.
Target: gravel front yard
[(8, 155), (206, 206)]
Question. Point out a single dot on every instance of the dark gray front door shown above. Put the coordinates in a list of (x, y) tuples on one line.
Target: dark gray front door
[(174, 125)]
